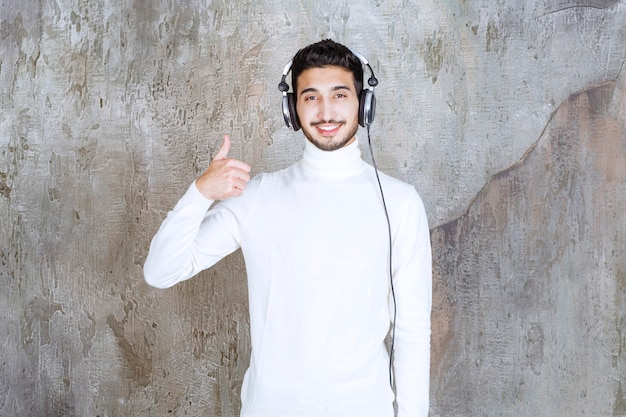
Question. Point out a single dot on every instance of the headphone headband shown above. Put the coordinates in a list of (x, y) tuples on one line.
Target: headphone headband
[(282, 86), (372, 81)]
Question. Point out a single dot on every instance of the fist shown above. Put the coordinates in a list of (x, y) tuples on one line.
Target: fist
[(225, 177)]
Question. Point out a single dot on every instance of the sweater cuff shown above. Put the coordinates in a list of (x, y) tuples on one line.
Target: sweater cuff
[(193, 198)]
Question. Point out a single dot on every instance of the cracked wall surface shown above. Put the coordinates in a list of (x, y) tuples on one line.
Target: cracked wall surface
[(507, 117), (531, 279)]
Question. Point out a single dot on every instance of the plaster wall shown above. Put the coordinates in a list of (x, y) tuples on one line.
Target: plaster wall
[(507, 117)]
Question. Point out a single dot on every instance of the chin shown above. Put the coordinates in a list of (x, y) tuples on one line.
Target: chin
[(329, 144)]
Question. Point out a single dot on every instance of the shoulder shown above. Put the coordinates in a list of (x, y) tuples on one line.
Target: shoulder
[(261, 184), (404, 204), (268, 179), (271, 180), (406, 209), (400, 191)]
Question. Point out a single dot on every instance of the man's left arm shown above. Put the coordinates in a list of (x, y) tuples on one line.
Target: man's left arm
[(412, 277)]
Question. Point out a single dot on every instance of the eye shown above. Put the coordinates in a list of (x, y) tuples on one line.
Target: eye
[(342, 94), (310, 98)]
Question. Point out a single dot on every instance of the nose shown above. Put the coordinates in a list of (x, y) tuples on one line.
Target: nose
[(325, 110)]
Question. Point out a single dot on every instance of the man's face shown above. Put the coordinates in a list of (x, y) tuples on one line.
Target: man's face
[(328, 106)]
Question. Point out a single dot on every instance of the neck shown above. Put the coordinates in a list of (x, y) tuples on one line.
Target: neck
[(343, 162)]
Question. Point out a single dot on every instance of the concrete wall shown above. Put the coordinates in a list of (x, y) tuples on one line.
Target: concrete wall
[(508, 117)]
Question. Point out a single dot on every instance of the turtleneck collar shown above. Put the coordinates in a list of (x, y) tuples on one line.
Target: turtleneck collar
[(341, 163)]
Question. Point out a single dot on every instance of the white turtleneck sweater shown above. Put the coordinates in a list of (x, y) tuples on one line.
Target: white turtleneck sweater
[(315, 242)]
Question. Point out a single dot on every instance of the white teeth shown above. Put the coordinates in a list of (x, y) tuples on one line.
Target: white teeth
[(328, 128)]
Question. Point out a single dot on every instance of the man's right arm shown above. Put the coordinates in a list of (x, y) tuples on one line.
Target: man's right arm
[(192, 239)]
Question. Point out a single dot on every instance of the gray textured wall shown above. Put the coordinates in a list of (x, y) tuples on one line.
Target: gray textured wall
[(508, 117)]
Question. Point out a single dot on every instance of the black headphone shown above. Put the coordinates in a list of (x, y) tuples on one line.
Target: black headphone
[(367, 100)]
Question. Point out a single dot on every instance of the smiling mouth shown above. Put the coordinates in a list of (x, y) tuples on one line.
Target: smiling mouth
[(328, 128)]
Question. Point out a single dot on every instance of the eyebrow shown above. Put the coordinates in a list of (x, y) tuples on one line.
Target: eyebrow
[(335, 88)]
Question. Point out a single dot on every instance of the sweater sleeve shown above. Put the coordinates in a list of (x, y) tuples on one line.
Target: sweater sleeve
[(412, 277), (190, 239)]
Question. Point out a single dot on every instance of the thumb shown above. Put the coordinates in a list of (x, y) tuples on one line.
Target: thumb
[(221, 154)]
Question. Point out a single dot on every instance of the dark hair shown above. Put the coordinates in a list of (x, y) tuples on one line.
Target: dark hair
[(325, 53)]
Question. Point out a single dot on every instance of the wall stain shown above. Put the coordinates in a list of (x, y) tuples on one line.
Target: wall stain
[(5, 189), (433, 56), (495, 39), (533, 347), (86, 153), (87, 334), (138, 355), (200, 340), (619, 410), (35, 323), (15, 152)]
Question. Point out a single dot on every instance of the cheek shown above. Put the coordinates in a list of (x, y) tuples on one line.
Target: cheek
[(307, 112), (352, 109), (302, 109)]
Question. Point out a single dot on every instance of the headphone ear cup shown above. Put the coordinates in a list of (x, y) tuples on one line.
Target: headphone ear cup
[(295, 120), (367, 107), (289, 111)]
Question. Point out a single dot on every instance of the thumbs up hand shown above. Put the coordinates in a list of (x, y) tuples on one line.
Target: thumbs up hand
[(225, 177)]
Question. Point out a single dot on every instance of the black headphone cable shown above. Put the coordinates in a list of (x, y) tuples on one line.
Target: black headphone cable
[(393, 292)]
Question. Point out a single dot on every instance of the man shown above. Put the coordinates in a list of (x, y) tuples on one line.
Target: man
[(315, 240)]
